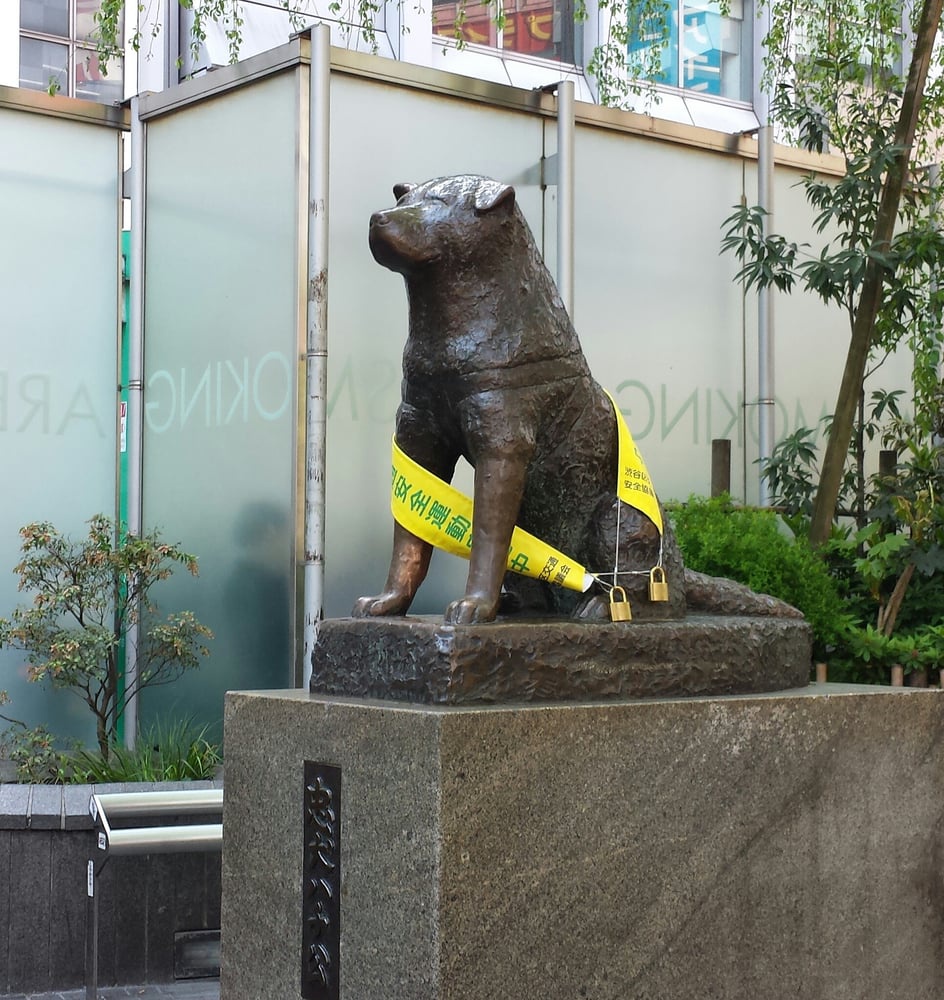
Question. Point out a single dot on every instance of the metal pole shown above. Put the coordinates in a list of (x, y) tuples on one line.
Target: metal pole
[(91, 933), (135, 393), (765, 302), (565, 193), (934, 179), (765, 321), (316, 356), (720, 466)]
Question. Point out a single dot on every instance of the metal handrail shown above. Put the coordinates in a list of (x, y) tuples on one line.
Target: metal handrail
[(171, 839), (166, 839), (184, 802)]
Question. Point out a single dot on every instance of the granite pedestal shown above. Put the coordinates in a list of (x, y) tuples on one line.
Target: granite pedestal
[(777, 846)]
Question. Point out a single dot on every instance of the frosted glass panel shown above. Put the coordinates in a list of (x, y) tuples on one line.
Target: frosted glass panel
[(220, 386), (58, 339)]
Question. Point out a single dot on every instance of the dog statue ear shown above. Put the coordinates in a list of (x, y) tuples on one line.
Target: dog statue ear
[(399, 190), (492, 196)]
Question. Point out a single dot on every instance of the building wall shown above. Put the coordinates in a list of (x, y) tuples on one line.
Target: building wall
[(407, 32)]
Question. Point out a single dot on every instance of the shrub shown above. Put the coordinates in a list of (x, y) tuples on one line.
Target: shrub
[(175, 752), (89, 597), (757, 549)]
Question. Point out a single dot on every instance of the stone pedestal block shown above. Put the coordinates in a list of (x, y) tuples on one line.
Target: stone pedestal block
[(739, 847)]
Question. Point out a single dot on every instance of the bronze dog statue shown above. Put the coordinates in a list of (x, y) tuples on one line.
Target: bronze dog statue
[(493, 371)]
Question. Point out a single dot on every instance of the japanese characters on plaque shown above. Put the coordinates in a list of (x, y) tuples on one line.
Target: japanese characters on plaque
[(321, 883)]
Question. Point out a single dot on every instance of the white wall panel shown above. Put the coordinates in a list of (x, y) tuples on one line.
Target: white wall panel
[(59, 272)]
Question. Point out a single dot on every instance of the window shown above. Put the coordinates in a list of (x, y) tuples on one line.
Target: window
[(704, 51), (543, 28), (57, 51), (875, 48)]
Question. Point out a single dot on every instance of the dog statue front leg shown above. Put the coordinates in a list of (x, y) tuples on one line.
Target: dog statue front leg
[(408, 566), (499, 487)]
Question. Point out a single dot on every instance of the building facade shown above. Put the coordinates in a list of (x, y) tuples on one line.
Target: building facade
[(704, 67)]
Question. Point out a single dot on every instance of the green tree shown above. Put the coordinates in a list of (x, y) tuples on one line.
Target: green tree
[(89, 597), (891, 570), (833, 70)]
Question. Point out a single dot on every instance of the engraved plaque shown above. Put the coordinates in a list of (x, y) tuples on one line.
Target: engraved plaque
[(321, 883)]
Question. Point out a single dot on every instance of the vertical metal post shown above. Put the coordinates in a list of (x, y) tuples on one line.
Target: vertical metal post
[(765, 302), (565, 193), (765, 320), (172, 45), (316, 355), (720, 466), (91, 932), (135, 393), (888, 463), (934, 179)]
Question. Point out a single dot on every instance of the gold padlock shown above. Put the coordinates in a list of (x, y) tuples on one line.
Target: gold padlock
[(658, 588), (620, 611)]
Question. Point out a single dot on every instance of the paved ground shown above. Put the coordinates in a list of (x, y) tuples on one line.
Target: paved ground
[(194, 989)]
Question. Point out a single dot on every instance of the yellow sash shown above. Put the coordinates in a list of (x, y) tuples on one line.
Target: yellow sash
[(633, 484), (438, 513)]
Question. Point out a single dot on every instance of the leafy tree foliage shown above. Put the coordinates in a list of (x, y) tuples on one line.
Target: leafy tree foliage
[(90, 598), (890, 569), (835, 70)]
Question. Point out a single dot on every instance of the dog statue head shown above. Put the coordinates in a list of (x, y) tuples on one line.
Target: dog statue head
[(449, 221)]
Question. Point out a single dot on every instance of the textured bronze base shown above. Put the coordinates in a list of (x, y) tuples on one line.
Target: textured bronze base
[(422, 660)]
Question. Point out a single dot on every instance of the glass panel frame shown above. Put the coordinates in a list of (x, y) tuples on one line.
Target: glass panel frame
[(223, 329), (541, 29), (711, 54), (46, 17), (60, 195), (93, 85), (37, 58)]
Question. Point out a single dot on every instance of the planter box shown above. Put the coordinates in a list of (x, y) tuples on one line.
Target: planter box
[(46, 840)]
